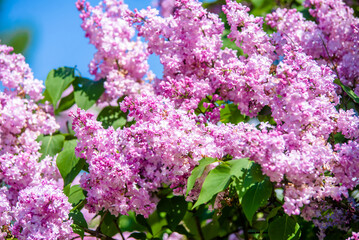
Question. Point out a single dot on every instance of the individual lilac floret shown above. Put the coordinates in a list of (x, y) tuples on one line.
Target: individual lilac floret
[(42, 213)]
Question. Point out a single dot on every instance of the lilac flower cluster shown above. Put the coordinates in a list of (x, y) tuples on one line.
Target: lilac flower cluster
[(24, 180), (119, 59), (128, 166), (333, 40), (286, 71)]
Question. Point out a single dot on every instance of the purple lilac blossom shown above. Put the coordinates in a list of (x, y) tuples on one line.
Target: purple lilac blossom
[(300, 91), (22, 120), (119, 59)]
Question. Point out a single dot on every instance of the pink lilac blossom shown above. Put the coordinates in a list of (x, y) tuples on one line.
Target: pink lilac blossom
[(334, 40), (128, 166), (188, 43), (302, 97), (22, 120), (119, 59), (42, 213), (167, 7), (300, 93), (16, 75)]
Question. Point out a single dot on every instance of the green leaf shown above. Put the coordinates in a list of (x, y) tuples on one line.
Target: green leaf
[(46, 97), (348, 90), (279, 194), (239, 167), (255, 197), (67, 162), (66, 103), (197, 172), (141, 220), (257, 3), (50, 145), (157, 224), (211, 230), (138, 235), (284, 228), (76, 194), (253, 176), (108, 226), (175, 209), (112, 116), (191, 224), (128, 223), (271, 215), (231, 114), (219, 178), (87, 92), (19, 40), (217, 181), (79, 230), (57, 81), (78, 218)]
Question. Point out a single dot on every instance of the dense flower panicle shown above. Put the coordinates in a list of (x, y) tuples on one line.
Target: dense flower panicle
[(298, 30), (22, 120), (42, 213), (167, 7), (188, 43), (251, 37), (161, 148), (333, 41), (277, 73), (16, 76), (119, 59)]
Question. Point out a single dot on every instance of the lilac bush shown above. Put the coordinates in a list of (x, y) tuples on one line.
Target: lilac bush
[(252, 131)]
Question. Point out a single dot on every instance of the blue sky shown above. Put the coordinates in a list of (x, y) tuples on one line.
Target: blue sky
[(57, 39)]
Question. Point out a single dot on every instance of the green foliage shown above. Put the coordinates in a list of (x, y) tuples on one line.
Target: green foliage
[(219, 178), (348, 90), (112, 116), (50, 145), (65, 103), (68, 164), (175, 208), (255, 197), (87, 92), (284, 228), (57, 81), (18, 39), (109, 225), (76, 195), (197, 172), (231, 114)]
